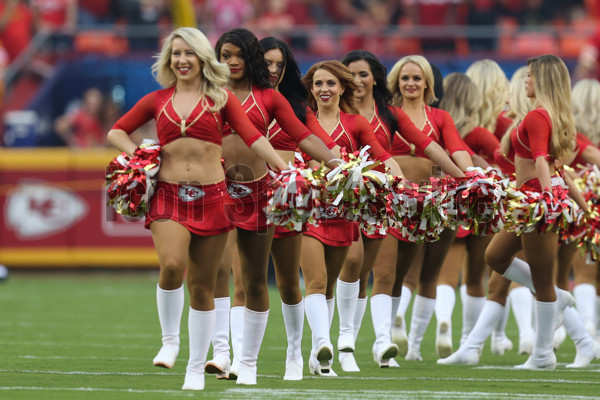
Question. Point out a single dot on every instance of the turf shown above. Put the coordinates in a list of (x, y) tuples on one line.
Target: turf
[(93, 336)]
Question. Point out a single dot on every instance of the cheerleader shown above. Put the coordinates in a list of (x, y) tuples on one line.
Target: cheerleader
[(372, 99), (324, 248), (412, 85), (248, 183), (463, 102), (186, 216)]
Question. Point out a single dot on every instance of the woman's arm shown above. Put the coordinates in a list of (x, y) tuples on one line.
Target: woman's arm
[(542, 170), (574, 191), (436, 154), (462, 159), (121, 140), (264, 150), (315, 148)]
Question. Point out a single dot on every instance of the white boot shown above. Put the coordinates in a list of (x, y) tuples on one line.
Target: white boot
[(587, 348), (383, 348), (255, 324), (399, 335), (220, 362), (317, 315), (500, 343), (472, 307), (200, 326), (542, 356), (236, 321), (468, 352), (521, 301), (170, 308), (347, 296), (361, 307), (445, 298), (293, 317), (421, 315), (585, 299)]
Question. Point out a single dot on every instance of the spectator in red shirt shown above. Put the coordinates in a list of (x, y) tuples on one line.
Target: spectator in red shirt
[(16, 27), (83, 127)]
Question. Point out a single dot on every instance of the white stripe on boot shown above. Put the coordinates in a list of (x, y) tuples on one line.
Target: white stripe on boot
[(468, 352), (200, 327), (255, 324), (585, 300), (347, 296), (421, 315), (170, 307), (521, 301)]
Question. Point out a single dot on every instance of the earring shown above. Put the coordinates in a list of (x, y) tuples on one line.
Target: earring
[(374, 83)]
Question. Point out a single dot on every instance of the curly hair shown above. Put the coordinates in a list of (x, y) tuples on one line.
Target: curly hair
[(256, 70), (493, 89)]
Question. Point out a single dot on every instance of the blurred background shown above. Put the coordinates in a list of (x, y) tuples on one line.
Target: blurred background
[(70, 68)]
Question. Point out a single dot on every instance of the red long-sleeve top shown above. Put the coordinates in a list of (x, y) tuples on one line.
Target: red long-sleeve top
[(354, 132), (406, 130), (502, 125), (532, 137), (482, 142), (201, 124), (280, 140), (439, 127), (583, 142)]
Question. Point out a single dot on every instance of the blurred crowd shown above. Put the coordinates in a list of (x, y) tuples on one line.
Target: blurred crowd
[(383, 26)]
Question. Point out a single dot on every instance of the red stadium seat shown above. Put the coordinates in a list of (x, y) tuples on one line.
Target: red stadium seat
[(100, 42)]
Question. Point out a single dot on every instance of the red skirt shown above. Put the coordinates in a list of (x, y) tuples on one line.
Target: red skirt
[(199, 208), (336, 232), (245, 208)]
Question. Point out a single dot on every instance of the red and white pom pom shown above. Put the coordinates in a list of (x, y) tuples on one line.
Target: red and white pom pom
[(590, 243), (529, 211), (480, 201), (130, 181), (358, 189), (418, 210), (295, 197)]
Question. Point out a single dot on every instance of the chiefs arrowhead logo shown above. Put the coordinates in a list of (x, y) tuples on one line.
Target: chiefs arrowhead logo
[(38, 210), (190, 193), (237, 191)]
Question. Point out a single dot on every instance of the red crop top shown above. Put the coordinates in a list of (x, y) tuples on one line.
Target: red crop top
[(263, 105), (202, 124), (280, 140), (532, 138), (407, 130), (482, 142), (439, 127), (354, 132)]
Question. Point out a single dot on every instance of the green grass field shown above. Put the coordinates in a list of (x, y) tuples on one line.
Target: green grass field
[(93, 336)]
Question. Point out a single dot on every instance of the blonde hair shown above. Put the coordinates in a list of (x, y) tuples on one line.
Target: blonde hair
[(214, 74), (493, 88), (394, 78), (519, 104), (585, 98), (461, 99), (552, 85)]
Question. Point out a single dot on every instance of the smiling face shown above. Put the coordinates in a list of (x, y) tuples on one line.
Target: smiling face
[(185, 64), (363, 78), (276, 65), (232, 55), (326, 89), (412, 82)]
